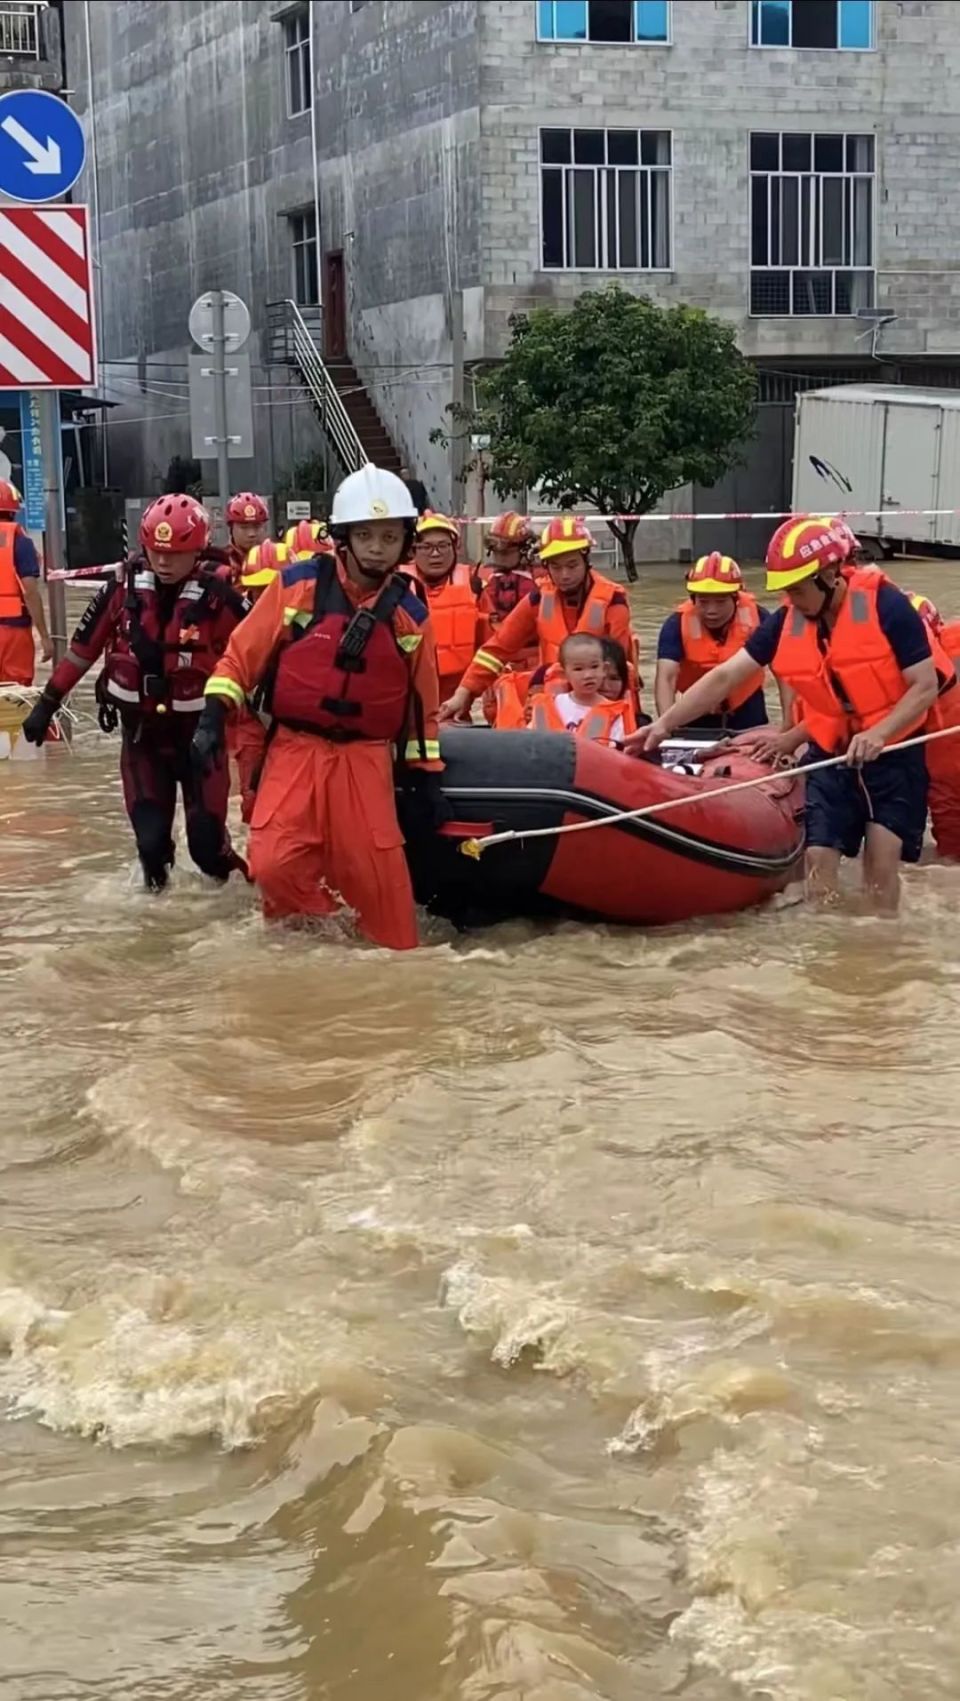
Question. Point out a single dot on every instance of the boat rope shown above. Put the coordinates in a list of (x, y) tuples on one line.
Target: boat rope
[(476, 847)]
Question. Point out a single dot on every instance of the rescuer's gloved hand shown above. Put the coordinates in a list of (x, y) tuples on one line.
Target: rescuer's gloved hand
[(37, 724), (210, 736)]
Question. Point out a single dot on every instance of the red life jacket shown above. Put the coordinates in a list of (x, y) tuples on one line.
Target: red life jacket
[(855, 681), (158, 663), (12, 605), (702, 651), (502, 591), (343, 675)]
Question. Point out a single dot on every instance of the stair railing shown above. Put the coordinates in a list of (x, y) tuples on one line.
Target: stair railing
[(303, 353)]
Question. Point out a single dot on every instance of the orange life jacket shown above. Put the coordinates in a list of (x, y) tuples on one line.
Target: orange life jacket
[(155, 663), (598, 724), (856, 681), (453, 613), (944, 710), (551, 626), (12, 605), (510, 698), (702, 652), (950, 638), (319, 687)]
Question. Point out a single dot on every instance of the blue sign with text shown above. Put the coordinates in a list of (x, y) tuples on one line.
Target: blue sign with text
[(34, 513), (42, 146)]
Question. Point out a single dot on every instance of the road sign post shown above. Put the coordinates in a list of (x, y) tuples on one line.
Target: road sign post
[(220, 323), (220, 397), (54, 554)]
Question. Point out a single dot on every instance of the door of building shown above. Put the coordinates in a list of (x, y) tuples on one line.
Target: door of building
[(334, 306)]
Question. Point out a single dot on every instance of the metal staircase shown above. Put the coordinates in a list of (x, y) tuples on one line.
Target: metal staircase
[(344, 411)]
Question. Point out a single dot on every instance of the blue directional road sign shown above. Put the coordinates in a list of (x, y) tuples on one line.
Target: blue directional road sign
[(42, 146)]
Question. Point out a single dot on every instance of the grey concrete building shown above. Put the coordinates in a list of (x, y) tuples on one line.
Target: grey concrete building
[(788, 164)]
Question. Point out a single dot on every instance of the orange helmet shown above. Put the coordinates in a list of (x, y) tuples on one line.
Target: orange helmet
[(263, 563), (176, 523), (927, 610), (10, 498), (308, 537), (563, 535), (801, 546), (247, 509), (715, 575), (511, 528), (433, 522)]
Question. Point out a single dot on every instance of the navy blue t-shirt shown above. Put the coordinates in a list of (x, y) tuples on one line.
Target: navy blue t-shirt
[(750, 714), (900, 624), (28, 567)]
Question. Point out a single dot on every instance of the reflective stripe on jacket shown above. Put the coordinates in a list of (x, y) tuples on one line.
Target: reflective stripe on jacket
[(702, 651)]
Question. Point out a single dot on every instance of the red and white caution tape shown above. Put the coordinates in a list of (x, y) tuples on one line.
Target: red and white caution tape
[(86, 572)]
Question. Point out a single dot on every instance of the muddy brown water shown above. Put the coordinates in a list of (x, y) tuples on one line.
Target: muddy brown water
[(551, 1315)]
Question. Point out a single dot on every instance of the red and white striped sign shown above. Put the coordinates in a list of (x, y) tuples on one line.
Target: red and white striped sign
[(47, 337)]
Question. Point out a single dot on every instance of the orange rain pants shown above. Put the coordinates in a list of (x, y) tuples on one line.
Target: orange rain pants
[(17, 655), (325, 833), (246, 741), (943, 769)]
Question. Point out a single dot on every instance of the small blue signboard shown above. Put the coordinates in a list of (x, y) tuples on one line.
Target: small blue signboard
[(34, 512), (42, 146)]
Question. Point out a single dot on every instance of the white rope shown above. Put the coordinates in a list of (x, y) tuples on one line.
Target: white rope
[(476, 847)]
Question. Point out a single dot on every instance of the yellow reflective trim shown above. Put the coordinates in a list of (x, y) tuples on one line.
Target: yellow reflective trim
[(428, 752), (483, 658), (218, 685), (410, 641), (296, 617)]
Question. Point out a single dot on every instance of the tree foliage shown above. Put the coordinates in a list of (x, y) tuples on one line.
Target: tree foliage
[(614, 403)]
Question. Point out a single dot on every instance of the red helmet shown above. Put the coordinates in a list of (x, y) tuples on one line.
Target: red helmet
[(801, 546), (308, 537), (564, 535), (511, 528), (715, 575), (927, 610), (10, 498), (247, 509), (264, 561), (175, 523)]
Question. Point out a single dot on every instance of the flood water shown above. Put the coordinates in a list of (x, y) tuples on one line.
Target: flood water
[(550, 1315)]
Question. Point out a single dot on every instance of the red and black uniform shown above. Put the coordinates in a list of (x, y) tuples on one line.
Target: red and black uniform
[(160, 645)]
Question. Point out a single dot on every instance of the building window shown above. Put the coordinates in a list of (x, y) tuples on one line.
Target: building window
[(303, 248), (603, 20), (605, 200), (811, 223), (20, 29), (296, 40), (812, 23)]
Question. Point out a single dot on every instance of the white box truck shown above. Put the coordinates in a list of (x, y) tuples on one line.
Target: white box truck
[(868, 447)]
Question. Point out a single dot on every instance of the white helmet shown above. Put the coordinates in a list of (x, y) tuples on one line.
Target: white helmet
[(372, 494)]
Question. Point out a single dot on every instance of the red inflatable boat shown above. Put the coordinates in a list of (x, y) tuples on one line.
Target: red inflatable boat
[(719, 855)]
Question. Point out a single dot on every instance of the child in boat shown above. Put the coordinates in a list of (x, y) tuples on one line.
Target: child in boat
[(580, 706)]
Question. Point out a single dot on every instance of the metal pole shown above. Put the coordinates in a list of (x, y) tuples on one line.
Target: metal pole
[(54, 554), (218, 372)]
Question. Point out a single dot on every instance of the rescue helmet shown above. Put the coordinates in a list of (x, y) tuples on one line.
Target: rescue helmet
[(247, 509), (800, 547), (308, 537), (372, 493), (564, 535), (430, 521), (511, 528), (845, 531), (263, 563), (10, 498), (176, 523), (927, 610), (715, 575)]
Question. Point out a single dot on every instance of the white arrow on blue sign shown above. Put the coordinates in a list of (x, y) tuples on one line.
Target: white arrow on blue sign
[(42, 146)]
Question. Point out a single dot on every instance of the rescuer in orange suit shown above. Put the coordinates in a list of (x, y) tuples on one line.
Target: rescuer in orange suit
[(247, 518), (21, 604), (943, 754), (458, 626), (713, 624), (576, 599), (343, 648)]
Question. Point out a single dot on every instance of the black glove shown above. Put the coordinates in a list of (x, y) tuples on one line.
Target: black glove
[(424, 806), (37, 724), (210, 736)]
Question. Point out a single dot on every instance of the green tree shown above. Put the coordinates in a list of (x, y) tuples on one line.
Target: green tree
[(613, 404)]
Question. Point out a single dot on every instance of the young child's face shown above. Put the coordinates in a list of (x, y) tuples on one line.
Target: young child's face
[(611, 686), (584, 667)]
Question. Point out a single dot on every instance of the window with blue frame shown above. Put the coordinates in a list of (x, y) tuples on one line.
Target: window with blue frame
[(812, 23), (637, 21)]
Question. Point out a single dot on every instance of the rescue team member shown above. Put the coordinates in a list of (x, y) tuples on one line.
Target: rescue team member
[(582, 708), (576, 599), (344, 648), (857, 656), (714, 622), (304, 537), (247, 518), (458, 626), (161, 629), (943, 755), (21, 604), (506, 576)]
